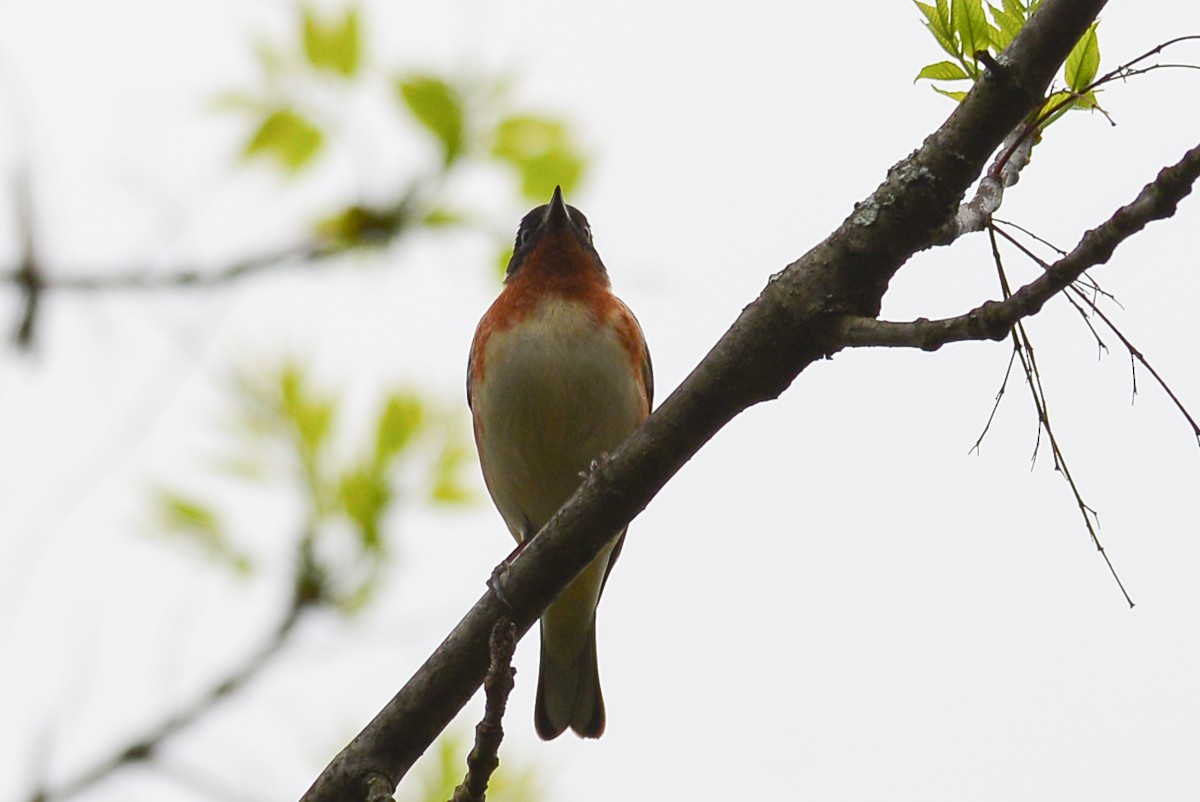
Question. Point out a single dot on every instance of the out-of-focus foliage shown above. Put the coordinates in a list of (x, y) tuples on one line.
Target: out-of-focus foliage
[(287, 136), (292, 436), (964, 29), (199, 523), (471, 120), (286, 430), (439, 107), (542, 151), (333, 45)]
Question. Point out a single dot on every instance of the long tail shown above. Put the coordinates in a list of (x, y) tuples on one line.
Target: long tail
[(568, 692)]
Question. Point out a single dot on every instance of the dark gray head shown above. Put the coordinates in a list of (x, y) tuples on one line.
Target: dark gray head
[(547, 223)]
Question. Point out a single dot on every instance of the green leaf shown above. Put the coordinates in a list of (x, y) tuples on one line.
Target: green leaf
[(1088, 101), (401, 419), (1008, 25), (942, 71), (943, 12), (938, 24), (1016, 9), (541, 150), (287, 137), (955, 96), (438, 106), (334, 46), (1084, 61), (364, 495), (1063, 100), (971, 25)]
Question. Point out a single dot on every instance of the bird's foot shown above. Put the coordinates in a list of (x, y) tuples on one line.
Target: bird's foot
[(499, 576), (599, 462)]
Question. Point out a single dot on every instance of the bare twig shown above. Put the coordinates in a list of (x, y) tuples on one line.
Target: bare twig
[(1012, 358), (484, 758), (1033, 377), (1135, 354)]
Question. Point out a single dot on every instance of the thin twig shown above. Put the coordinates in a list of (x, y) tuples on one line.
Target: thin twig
[(1033, 378), (1136, 354), (144, 747), (484, 758), (1012, 358)]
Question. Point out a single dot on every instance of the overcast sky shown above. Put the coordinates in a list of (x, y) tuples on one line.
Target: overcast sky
[(833, 600)]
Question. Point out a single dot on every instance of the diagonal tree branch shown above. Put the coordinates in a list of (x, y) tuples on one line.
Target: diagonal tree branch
[(792, 324)]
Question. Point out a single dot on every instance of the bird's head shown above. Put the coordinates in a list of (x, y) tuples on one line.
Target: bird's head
[(555, 237)]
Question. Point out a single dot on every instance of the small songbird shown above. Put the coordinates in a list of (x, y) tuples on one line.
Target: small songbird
[(558, 375)]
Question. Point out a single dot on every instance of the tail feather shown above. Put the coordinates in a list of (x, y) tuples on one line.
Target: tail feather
[(568, 693)]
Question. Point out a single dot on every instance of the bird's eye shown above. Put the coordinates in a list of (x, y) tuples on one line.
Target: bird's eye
[(524, 235), (587, 232)]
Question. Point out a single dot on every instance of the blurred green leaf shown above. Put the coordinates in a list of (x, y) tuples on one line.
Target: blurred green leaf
[(442, 218), (198, 523), (402, 417), (309, 415), (438, 106), (361, 226), (286, 136), (334, 45), (1083, 61), (364, 494), (236, 100), (448, 486), (942, 71), (541, 150)]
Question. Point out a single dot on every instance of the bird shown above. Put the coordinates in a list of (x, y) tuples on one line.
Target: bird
[(558, 375)]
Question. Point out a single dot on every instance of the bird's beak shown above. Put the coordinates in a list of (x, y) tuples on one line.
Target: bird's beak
[(557, 215)]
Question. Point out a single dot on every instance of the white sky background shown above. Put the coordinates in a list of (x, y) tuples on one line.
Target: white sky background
[(833, 600)]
